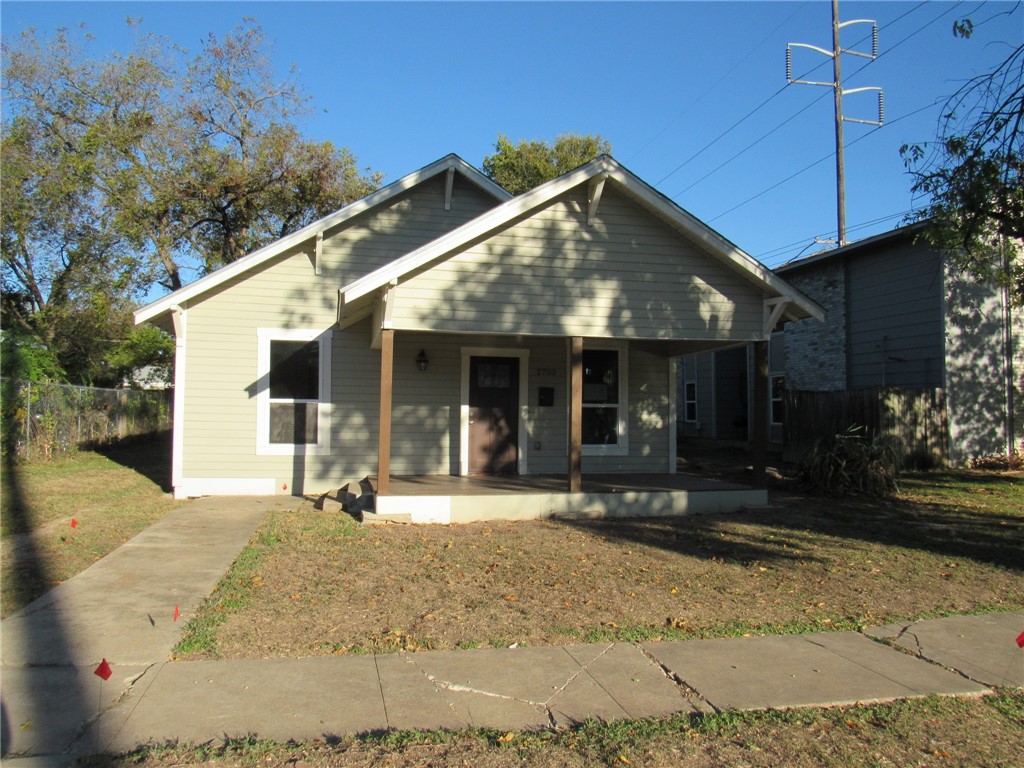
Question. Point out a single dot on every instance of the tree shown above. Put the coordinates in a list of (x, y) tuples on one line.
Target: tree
[(125, 171), (972, 175), (523, 166)]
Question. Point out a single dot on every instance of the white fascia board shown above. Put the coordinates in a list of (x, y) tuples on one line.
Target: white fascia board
[(254, 259)]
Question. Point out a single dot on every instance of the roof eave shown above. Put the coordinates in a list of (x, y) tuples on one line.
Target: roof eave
[(163, 305)]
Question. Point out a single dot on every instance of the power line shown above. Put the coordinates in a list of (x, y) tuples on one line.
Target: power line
[(815, 163), (766, 257), (766, 101), (809, 104), (712, 87)]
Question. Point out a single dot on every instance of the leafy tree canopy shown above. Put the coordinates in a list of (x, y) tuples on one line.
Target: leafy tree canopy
[(523, 166), (971, 175), (126, 171)]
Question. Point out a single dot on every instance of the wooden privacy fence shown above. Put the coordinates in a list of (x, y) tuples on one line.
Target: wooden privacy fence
[(41, 419), (915, 417)]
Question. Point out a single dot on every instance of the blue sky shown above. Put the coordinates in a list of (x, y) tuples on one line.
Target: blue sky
[(668, 84)]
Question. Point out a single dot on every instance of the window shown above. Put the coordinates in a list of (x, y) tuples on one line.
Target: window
[(690, 390), (777, 378), (294, 391), (604, 401), (778, 406)]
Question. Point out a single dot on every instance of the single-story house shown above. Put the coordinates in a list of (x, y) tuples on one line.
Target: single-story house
[(897, 315), (440, 330)]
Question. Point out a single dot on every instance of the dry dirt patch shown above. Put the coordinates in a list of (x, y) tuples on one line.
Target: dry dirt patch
[(318, 584)]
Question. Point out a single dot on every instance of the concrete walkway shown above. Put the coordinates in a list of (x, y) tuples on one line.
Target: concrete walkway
[(121, 609)]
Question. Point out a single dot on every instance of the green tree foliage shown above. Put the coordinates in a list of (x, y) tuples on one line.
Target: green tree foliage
[(123, 171), (971, 175), (523, 166)]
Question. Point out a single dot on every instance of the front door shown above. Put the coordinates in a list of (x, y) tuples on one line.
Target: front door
[(493, 415)]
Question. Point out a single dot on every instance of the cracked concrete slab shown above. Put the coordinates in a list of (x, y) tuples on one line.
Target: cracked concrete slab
[(411, 699), (824, 669), (501, 687), (280, 699), (634, 680), (982, 648), (46, 709)]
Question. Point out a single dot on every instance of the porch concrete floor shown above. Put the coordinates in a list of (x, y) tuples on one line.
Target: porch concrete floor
[(484, 485)]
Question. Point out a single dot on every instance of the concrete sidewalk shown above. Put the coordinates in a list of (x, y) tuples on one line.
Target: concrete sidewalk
[(121, 609)]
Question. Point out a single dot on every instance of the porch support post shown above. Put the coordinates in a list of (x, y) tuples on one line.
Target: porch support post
[(387, 354), (575, 469), (760, 432)]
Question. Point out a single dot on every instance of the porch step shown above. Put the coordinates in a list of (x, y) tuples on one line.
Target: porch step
[(372, 518)]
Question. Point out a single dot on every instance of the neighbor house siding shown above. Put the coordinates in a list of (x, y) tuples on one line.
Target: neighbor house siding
[(981, 370), (816, 351), (627, 276), (895, 318)]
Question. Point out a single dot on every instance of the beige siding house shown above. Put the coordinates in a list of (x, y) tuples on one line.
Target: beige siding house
[(440, 328)]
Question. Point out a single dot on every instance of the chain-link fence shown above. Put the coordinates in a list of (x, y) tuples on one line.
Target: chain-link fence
[(42, 419)]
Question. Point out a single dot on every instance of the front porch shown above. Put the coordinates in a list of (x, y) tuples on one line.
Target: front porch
[(452, 499)]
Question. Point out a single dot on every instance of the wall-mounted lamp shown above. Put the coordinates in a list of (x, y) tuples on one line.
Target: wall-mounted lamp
[(422, 362)]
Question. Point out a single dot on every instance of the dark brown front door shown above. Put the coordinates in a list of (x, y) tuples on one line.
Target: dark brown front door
[(493, 415)]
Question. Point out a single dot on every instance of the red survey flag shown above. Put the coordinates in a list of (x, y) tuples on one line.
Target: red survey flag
[(104, 670), (74, 523), (1020, 640), (177, 612)]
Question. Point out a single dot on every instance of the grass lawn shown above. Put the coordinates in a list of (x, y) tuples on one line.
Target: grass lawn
[(316, 583), (930, 732), (111, 496)]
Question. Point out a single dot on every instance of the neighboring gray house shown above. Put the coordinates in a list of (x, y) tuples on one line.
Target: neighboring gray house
[(440, 328), (895, 316)]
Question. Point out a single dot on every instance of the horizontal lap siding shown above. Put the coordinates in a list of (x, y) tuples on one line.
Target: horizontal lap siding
[(627, 276), (895, 316), (221, 367), (400, 226)]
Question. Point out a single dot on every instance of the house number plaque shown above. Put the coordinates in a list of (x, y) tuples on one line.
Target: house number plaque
[(545, 371)]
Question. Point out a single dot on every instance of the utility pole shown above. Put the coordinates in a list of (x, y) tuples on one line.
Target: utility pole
[(838, 92)]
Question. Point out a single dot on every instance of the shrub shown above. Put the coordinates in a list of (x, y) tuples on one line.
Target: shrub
[(851, 463)]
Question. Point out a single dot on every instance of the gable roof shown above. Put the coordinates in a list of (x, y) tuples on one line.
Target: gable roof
[(352, 298), (256, 258)]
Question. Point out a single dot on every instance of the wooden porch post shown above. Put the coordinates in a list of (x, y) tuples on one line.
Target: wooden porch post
[(760, 433), (575, 469), (387, 354)]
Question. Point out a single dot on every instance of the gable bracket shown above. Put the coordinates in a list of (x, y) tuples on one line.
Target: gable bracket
[(594, 192), (382, 314), (773, 309), (318, 252), (449, 180)]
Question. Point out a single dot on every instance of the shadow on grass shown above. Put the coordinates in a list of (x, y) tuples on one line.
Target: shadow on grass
[(948, 529), (149, 455)]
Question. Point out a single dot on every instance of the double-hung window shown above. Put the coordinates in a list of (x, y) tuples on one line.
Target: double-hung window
[(294, 388), (605, 405), (777, 375), (690, 389)]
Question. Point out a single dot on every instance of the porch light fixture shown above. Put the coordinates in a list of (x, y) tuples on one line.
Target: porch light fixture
[(422, 362)]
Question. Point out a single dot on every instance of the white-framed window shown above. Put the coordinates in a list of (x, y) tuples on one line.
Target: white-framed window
[(690, 390), (293, 391), (605, 400), (777, 378)]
